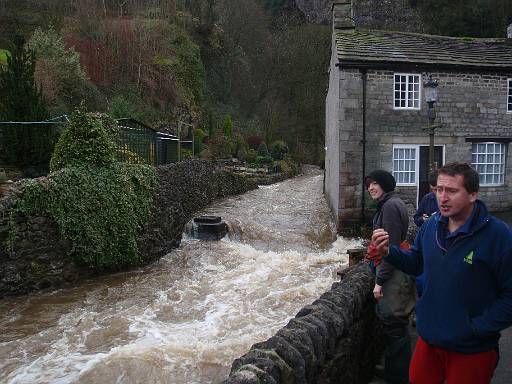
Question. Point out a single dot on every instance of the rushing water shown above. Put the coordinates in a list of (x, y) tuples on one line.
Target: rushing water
[(185, 318)]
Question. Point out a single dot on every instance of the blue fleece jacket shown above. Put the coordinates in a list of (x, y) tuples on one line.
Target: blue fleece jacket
[(427, 205), (467, 293)]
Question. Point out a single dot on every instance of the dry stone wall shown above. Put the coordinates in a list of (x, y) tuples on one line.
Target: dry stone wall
[(336, 339)]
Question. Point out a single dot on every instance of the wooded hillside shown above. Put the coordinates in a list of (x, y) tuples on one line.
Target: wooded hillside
[(257, 64)]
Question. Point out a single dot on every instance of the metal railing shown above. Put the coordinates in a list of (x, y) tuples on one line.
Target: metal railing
[(31, 143)]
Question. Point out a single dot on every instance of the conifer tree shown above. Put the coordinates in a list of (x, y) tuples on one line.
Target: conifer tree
[(22, 101)]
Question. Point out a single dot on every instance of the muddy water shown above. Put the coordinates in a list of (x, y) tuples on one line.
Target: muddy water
[(185, 318)]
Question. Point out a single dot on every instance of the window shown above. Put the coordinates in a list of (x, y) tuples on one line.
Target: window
[(404, 165), (509, 97), (489, 160), (407, 91)]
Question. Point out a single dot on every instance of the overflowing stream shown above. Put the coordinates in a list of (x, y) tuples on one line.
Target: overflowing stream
[(186, 317)]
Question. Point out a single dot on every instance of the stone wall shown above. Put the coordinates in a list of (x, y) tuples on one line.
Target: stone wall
[(39, 258), (336, 339)]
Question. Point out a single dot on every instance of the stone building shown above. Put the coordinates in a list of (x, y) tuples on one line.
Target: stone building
[(377, 118)]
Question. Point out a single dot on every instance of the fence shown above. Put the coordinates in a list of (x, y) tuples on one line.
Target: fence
[(30, 144), (138, 143)]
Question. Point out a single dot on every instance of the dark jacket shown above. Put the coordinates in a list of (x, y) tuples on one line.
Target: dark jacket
[(428, 205), (467, 296), (392, 216)]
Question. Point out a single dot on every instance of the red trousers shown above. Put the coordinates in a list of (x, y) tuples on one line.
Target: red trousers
[(433, 365)]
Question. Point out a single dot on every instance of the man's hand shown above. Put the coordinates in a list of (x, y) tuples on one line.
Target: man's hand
[(425, 217), (380, 239), (377, 292)]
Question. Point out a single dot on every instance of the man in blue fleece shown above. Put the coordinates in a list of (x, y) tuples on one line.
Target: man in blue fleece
[(466, 257), (428, 203)]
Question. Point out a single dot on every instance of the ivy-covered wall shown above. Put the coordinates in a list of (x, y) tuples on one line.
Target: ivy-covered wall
[(38, 255)]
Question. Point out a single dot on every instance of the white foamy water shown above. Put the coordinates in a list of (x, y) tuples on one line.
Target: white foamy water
[(185, 318)]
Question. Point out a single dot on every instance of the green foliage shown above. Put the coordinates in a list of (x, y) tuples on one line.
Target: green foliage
[(121, 107), (23, 144), (251, 155), (3, 56), (86, 141), (188, 67), (64, 82), (263, 150), (278, 150), (99, 209), (199, 136), (227, 127), (264, 160)]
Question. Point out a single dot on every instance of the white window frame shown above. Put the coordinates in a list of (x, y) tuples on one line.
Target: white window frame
[(509, 95), (415, 172), (407, 99), (487, 167)]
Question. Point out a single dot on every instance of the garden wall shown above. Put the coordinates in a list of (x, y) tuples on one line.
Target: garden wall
[(39, 259), (336, 339)]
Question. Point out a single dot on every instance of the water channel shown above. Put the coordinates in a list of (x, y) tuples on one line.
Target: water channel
[(186, 317)]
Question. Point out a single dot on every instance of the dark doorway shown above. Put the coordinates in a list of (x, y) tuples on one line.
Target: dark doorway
[(423, 186)]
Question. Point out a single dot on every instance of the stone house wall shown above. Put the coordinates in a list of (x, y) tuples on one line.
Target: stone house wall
[(471, 105)]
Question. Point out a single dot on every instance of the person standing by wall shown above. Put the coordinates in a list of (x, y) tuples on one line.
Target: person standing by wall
[(466, 257), (426, 208), (394, 290), (428, 203)]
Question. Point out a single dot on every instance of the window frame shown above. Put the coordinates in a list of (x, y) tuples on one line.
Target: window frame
[(503, 164), (509, 95), (416, 149), (407, 99)]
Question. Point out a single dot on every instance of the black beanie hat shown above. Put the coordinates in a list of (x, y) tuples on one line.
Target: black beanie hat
[(383, 178)]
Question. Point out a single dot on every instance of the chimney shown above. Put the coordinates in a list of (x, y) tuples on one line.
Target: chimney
[(342, 15)]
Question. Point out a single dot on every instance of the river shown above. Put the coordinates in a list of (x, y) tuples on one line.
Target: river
[(184, 318)]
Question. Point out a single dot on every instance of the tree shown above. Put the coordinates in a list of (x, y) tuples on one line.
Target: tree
[(22, 101)]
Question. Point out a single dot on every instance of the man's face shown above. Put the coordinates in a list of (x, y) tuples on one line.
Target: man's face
[(453, 199), (375, 190)]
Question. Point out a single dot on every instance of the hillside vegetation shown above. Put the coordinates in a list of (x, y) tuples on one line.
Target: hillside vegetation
[(254, 68)]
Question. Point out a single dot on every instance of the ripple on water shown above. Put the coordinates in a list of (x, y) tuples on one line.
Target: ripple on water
[(185, 318)]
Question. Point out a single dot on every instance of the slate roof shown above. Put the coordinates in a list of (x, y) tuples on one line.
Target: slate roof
[(372, 47)]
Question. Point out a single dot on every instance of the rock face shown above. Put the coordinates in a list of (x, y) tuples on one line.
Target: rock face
[(396, 15), (39, 258), (336, 339)]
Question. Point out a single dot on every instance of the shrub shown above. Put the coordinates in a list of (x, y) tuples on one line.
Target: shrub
[(254, 141), (227, 127), (263, 150), (278, 150), (99, 209), (264, 160), (86, 141), (251, 155), (199, 136)]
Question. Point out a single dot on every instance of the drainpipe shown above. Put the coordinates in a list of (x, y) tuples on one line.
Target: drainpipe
[(363, 141)]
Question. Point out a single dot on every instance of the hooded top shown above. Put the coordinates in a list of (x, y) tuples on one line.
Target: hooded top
[(467, 293)]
